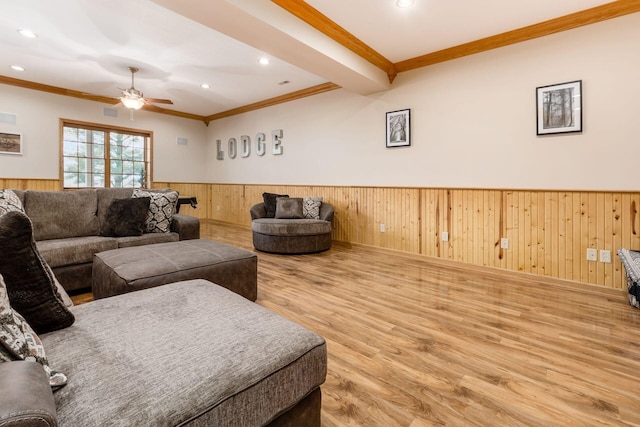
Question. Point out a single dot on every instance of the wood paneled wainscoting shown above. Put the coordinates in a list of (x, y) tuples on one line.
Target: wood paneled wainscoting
[(548, 232)]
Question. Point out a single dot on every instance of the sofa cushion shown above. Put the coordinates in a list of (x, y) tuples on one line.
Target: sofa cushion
[(29, 280), (269, 200), (290, 227), (19, 342), (61, 214), (147, 239), (9, 201), (126, 217), (77, 250), (161, 209), (197, 350), (288, 208), (311, 207)]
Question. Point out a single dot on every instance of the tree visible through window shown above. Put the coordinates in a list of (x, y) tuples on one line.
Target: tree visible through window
[(99, 157)]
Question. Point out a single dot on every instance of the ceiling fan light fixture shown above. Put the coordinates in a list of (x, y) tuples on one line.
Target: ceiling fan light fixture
[(133, 103), (404, 3)]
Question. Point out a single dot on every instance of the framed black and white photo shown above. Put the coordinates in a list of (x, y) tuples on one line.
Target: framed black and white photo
[(559, 108), (10, 143), (399, 128)]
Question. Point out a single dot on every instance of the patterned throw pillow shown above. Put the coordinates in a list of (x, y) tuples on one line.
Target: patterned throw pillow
[(9, 201), (19, 342), (161, 209), (311, 207), (631, 262)]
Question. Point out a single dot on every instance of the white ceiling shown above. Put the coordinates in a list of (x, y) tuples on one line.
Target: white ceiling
[(88, 45)]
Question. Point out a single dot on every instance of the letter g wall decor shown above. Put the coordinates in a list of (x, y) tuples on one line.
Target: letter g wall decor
[(245, 145)]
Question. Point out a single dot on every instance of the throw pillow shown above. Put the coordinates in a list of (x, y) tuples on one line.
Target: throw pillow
[(311, 207), (289, 208), (126, 217), (270, 203), (19, 342), (9, 201), (631, 262), (162, 207), (30, 283)]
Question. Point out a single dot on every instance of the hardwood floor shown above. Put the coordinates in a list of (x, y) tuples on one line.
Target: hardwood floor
[(416, 342)]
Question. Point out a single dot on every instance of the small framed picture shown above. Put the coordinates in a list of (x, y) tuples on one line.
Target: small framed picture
[(10, 143), (399, 128), (559, 108)]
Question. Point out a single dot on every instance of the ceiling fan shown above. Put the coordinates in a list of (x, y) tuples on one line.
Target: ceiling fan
[(134, 99)]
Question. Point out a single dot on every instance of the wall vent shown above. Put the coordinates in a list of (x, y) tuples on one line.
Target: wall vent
[(8, 118), (182, 141), (110, 112)]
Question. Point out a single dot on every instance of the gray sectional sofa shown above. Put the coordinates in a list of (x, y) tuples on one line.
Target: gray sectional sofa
[(67, 230), (188, 353), (184, 354)]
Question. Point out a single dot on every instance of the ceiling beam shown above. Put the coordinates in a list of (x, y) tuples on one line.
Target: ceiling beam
[(90, 97), (574, 20), (307, 13), (314, 90)]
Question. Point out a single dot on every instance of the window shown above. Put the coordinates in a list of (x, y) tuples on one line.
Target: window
[(95, 156)]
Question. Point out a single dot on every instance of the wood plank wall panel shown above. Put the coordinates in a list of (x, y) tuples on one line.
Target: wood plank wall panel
[(548, 231), (31, 184), (200, 191)]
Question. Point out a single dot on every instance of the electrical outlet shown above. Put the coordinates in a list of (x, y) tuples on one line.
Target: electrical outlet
[(383, 228), (592, 254), (504, 243), (218, 208), (605, 256), (445, 236)]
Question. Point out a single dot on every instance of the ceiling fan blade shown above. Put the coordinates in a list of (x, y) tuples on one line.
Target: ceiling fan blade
[(159, 101), (151, 107)]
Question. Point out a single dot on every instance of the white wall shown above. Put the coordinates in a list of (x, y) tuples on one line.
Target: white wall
[(38, 115), (473, 123)]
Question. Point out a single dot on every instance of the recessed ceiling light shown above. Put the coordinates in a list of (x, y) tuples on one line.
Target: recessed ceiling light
[(264, 60), (404, 3), (205, 86), (17, 68), (28, 33)]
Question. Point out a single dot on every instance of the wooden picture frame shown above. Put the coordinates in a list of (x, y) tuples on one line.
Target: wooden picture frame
[(398, 125), (10, 143), (559, 108)]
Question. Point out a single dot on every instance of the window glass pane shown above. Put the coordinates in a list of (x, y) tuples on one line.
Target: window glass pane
[(98, 180), (116, 166), (98, 166), (70, 179), (98, 137), (98, 151), (70, 148), (83, 180), (70, 164), (82, 149)]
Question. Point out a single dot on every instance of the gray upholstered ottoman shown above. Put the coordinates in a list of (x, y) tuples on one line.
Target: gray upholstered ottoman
[(140, 267)]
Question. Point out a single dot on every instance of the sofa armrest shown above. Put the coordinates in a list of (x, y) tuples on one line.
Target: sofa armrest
[(326, 212), (258, 211), (188, 227), (27, 400)]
